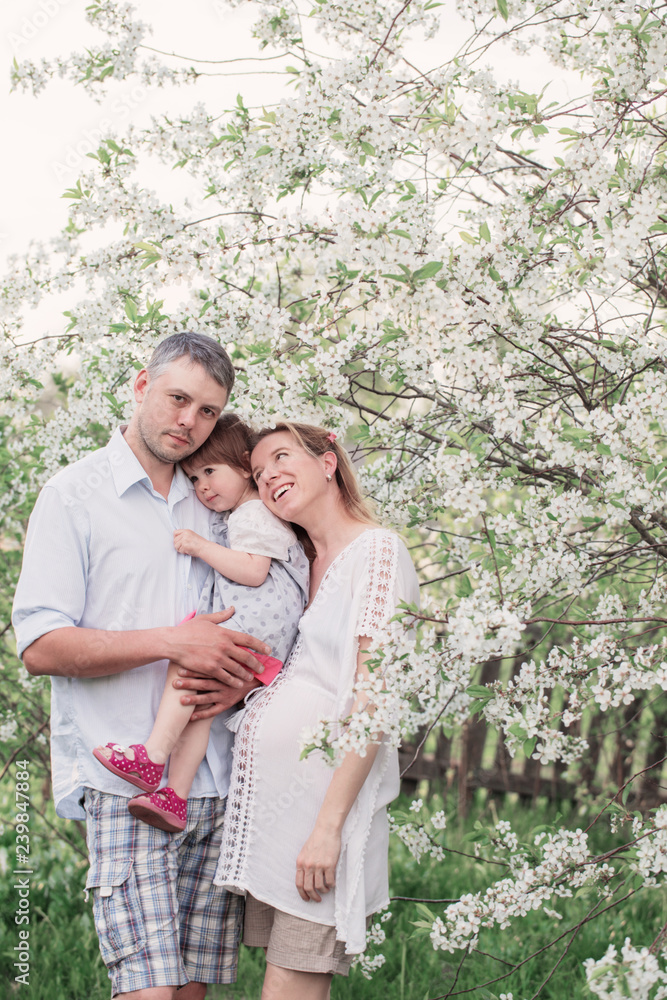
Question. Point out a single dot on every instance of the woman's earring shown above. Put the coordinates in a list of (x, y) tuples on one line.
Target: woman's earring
[(328, 479)]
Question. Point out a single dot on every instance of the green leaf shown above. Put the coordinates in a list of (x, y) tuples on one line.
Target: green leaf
[(367, 148), (467, 238), (396, 277), (484, 232), (428, 270), (263, 150), (131, 310), (479, 692), (425, 912), (502, 9), (150, 259)]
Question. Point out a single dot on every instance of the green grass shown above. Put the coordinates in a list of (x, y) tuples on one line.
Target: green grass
[(65, 961)]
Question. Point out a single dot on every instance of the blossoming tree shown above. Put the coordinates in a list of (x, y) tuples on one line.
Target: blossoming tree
[(467, 280)]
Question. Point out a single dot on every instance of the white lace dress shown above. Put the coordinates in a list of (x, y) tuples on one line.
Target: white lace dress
[(274, 796)]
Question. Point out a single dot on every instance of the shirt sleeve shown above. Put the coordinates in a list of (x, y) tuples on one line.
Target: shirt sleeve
[(254, 529), (51, 591)]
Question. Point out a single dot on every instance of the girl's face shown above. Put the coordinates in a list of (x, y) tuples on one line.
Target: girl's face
[(220, 487), (288, 478)]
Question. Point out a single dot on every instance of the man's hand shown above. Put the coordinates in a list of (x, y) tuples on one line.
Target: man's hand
[(203, 649), (189, 542), (210, 697)]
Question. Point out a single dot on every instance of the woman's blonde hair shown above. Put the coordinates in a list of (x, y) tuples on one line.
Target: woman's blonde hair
[(316, 441)]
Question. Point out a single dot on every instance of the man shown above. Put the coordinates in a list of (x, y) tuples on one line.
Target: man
[(99, 595)]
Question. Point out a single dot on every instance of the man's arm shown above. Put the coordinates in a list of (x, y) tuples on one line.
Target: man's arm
[(198, 645), (50, 601)]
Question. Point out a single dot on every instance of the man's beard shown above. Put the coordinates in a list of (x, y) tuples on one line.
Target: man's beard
[(153, 444)]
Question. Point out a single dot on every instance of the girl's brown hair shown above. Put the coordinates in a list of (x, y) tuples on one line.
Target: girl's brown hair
[(229, 443), (316, 441)]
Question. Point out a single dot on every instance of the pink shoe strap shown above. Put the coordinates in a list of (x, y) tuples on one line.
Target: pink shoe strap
[(170, 801)]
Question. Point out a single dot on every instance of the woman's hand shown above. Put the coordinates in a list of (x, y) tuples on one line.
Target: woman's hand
[(316, 864)]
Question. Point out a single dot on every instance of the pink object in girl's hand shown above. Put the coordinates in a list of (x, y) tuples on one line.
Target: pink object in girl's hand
[(271, 666), (188, 618)]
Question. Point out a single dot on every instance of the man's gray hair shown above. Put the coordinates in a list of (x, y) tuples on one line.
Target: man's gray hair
[(201, 350)]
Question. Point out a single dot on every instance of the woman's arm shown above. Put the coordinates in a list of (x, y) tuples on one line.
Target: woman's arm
[(241, 567), (317, 860)]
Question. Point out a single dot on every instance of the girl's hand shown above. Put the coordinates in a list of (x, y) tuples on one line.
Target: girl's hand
[(316, 864), (188, 542)]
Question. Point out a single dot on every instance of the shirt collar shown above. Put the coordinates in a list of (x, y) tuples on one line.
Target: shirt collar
[(126, 470)]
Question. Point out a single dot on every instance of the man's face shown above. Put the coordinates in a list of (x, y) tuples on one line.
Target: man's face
[(177, 410)]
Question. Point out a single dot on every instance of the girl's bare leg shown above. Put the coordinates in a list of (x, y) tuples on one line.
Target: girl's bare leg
[(187, 755), (286, 984), (170, 721)]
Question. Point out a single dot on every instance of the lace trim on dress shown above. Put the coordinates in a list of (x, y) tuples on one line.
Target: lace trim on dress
[(356, 839), (377, 607), (240, 808), (379, 603)]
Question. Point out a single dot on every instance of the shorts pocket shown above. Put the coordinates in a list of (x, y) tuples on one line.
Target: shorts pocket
[(117, 912)]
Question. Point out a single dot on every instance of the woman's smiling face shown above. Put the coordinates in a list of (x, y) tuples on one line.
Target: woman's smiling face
[(288, 478)]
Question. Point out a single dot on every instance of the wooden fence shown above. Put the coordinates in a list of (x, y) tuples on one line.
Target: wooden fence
[(622, 743)]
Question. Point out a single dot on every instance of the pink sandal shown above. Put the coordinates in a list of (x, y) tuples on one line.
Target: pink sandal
[(141, 771), (164, 809)]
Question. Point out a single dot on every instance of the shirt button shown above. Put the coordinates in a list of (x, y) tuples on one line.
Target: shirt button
[(189, 586)]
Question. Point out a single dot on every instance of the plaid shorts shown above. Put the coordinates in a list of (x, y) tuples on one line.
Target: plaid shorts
[(159, 918)]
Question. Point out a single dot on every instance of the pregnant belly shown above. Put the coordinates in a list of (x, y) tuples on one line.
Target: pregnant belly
[(284, 783), (286, 715)]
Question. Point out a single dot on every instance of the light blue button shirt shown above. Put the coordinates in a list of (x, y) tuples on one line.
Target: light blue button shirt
[(99, 554)]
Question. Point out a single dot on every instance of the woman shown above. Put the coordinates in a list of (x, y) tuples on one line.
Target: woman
[(307, 842)]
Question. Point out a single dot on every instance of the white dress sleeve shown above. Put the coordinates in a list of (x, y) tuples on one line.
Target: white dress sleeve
[(378, 601), (254, 529), (388, 578)]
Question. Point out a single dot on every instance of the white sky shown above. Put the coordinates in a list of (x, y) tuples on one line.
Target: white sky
[(46, 138)]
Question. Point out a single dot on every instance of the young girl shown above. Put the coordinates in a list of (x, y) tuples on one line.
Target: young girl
[(263, 574)]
